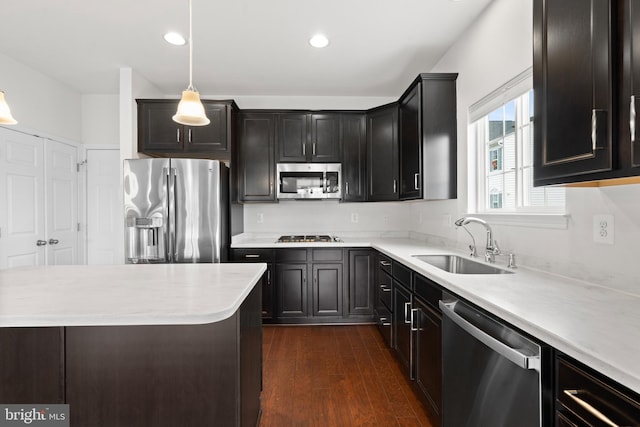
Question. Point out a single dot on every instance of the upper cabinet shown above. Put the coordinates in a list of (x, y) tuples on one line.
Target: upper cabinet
[(158, 134), (428, 138), (256, 172), (308, 137), (353, 137), (382, 153), (581, 131)]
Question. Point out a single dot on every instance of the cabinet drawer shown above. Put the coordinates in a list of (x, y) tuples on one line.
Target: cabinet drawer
[(579, 389), (252, 255), (383, 320), (384, 290), (321, 255), (291, 255), (385, 263), (402, 274), (428, 290)]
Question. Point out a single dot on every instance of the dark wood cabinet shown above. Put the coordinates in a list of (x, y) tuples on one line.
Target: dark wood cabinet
[(309, 137), (293, 137), (354, 157), (629, 106), (428, 358), (256, 158), (572, 83), (410, 143), (158, 134), (402, 325), (382, 153), (32, 365), (291, 284), (326, 145), (361, 280), (327, 289), (268, 286)]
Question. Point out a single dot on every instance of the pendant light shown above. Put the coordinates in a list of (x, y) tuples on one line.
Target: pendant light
[(5, 113), (190, 109)]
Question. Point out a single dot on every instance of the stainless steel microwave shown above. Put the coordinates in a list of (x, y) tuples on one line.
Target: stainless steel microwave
[(309, 181)]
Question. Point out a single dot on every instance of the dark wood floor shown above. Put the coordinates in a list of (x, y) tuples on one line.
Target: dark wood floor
[(338, 376)]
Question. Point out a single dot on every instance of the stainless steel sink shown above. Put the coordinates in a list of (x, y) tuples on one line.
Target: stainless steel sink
[(459, 265)]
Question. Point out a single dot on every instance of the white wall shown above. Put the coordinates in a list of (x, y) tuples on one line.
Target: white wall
[(39, 103), (100, 120), (494, 50)]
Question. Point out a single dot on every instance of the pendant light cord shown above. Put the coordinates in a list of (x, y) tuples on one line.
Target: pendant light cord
[(190, 49)]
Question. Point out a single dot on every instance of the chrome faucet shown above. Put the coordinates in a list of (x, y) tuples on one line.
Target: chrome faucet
[(491, 248)]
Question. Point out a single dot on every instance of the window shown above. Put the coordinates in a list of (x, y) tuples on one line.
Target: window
[(501, 131)]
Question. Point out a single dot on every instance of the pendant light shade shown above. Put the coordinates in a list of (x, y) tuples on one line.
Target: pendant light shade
[(190, 109), (5, 113)]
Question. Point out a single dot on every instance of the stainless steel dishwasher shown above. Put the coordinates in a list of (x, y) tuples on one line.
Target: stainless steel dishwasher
[(490, 373)]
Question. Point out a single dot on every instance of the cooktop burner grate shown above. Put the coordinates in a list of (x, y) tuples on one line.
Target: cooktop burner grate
[(323, 238)]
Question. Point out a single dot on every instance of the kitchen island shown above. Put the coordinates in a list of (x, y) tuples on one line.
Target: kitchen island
[(134, 345)]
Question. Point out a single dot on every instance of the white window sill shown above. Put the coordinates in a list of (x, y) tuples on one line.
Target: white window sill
[(530, 220)]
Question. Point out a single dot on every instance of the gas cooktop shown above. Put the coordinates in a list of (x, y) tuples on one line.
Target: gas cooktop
[(323, 238)]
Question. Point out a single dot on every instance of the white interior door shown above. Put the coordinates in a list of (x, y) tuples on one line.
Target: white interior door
[(22, 210), (62, 203), (104, 208)]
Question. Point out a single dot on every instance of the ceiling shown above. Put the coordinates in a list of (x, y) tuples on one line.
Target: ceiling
[(241, 47)]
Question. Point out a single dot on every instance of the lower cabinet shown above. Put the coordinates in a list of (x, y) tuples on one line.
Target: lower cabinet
[(428, 357), (315, 285)]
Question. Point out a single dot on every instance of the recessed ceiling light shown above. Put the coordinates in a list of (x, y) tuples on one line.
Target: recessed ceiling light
[(175, 38), (319, 41)]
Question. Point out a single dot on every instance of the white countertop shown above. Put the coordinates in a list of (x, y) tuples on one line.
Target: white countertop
[(160, 294), (595, 325)]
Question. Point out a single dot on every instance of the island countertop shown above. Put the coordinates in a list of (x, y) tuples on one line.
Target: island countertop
[(107, 295)]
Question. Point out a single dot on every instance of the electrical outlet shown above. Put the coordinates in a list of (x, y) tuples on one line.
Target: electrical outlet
[(354, 217), (603, 229), (260, 218)]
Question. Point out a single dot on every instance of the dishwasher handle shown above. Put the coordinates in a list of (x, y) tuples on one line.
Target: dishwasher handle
[(514, 355)]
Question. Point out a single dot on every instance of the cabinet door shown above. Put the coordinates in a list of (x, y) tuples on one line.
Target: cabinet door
[(354, 157), (292, 137), (212, 137), (291, 290), (157, 132), (325, 138), (573, 124), (256, 171), (267, 293), (410, 143), (382, 154), (428, 358), (327, 289), (630, 100), (402, 325), (361, 281)]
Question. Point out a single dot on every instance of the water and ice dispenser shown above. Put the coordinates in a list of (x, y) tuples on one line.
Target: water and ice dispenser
[(145, 240)]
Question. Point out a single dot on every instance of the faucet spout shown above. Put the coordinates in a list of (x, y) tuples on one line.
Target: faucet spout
[(491, 247)]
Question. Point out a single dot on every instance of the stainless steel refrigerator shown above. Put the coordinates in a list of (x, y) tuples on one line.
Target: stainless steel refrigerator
[(176, 211)]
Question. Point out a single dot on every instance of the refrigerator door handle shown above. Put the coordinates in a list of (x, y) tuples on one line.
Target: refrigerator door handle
[(171, 249)]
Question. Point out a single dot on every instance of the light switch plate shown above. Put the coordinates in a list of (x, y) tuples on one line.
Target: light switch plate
[(603, 229)]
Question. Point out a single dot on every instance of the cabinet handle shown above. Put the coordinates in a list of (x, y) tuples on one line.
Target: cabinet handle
[(346, 188), (384, 322), (178, 135), (252, 256), (632, 118), (304, 149), (414, 318), (395, 186), (594, 128), (416, 177), (384, 288), (189, 136), (269, 277), (41, 242), (385, 263), (407, 310), (313, 149)]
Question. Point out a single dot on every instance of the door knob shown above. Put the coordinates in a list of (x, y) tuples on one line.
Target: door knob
[(41, 242), (53, 241)]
